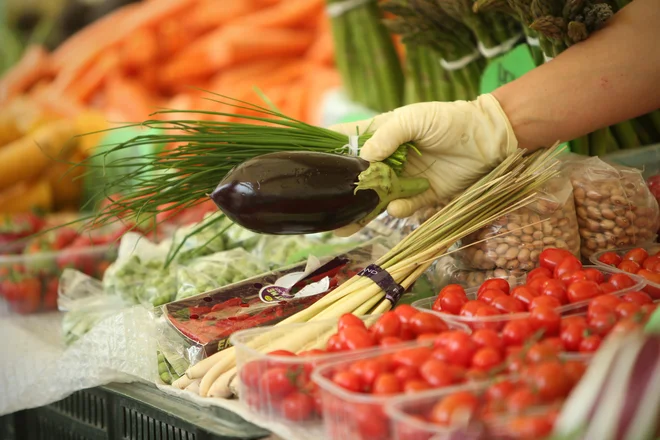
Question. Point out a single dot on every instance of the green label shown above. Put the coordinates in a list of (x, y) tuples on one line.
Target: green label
[(506, 68)]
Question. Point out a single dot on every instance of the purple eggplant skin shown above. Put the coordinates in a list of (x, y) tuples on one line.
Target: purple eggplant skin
[(291, 193)]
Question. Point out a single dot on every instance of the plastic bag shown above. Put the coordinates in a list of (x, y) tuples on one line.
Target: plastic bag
[(549, 221), (397, 228), (614, 206), (445, 271)]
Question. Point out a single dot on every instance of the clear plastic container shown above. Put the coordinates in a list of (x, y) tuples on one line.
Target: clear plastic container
[(29, 283), (653, 289), (253, 364), (497, 322)]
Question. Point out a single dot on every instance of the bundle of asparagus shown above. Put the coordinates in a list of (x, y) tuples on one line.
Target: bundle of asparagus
[(508, 187), (365, 54)]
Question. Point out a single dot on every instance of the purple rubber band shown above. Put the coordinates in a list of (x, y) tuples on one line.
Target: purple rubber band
[(384, 280)]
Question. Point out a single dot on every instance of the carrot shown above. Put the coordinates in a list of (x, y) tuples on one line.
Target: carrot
[(56, 102), (319, 81), (173, 36), (33, 65), (246, 44), (140, 50), (295, 104), (26, 158), (211, 14), (128, 99), (323, 50), (93, 78), (24, 197), (227, 79), (291, 13)]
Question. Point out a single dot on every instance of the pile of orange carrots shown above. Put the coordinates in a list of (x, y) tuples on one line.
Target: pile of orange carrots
[(159, 54)]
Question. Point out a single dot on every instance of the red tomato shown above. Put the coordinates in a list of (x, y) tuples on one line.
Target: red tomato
[(638, 255), (550, 381), (573, 277), (606, 288), (386, 383), (555, 343), (450, 302), (567, 267), (539, 272), (486, 337), (610, 258), (523, 294), (516, 332), (530, 427), (430, 337), (536, 285), (574, 370), (550, 258), (437, 373), (627, 309), (545, 301), (371, 422), (368, 370), (556, 289), (582, 290), (496, 284), (572, 335), (441, 354), (499, 390), (604, 302), (471, 307), (334, 344), (489, 295), (649, 276), (388, 325), (508, 304), (277, 382), (594, 275), (413, 357), (390, 341), (629, 266), (602, 323), (571, 319), (348, 380), (355, 338), (415, 386), (312, 352), (252, 371), (622, 281), (486, 358), (405, 373), (540, 352), (521, 400), (350, 320), (637, 297), (452, 288), (648, 309), (405, 312), (297, 406), (459, 405), (651, 263), (427, 323), (590, 344), (546, 319), (459, 347)]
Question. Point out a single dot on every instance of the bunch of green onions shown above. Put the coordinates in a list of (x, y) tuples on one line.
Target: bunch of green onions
[(508, 187)]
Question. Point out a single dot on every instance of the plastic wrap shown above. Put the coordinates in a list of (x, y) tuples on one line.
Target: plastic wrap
[(515, 241), (614, 206)]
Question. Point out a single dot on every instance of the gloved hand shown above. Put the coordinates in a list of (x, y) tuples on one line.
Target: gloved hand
[(460, 142)]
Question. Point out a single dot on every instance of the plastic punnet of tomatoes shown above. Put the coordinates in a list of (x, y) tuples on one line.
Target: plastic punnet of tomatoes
[(643, 262), (29, 282), (276, 382), (560, 286)]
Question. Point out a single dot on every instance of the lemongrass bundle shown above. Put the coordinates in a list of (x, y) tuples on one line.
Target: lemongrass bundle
[(508, 187)]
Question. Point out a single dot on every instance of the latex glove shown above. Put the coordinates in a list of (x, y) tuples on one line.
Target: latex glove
[(460, 142)]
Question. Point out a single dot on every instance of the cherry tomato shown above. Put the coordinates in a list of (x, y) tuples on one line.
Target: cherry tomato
[(604, 302), (427, 323), (496, 284), (450, 302), (651, 263), (539, 271), (251, 372), (567, 267), (437, 373), (649, 276), (508, 304), (335, 344), (574, 370), (390, 341), (556, 289), (536, 285), (594, 275), (572, 319), (441, 354), (388, 325), (405, 312), (622, 281), (545, 301), (610, 258), (460, 405), (629, 266), (521, 400), (277, 382), (582, 291), (529, 427), (297, 406), (486, 311), (606, 288), (413, 357), (406, 372), (452, 288), (470, 309), (540, 352), (550, 380), (572, 335), (348, 380), (517, 331), (590, 344), (486, 337), (627, 309), (638, 255), (350, 320), (555, 343), (312, 352), (368, 370), (489, 295), (550, 258), (546, 319), (371, 422), (602, 323), (523, 294), (486, 358), (573, 277), (648, 309), (500, 390), (386, 383), (415, 386), (355, 338), (460, 347)]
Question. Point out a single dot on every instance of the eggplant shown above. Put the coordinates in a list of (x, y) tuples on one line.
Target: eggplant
[(290, 193)]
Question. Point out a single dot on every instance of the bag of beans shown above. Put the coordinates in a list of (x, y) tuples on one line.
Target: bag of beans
[(515, 241), (445, 271), (614, 206)]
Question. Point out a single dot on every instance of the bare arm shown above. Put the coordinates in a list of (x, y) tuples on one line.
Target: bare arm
[(611, 77)]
